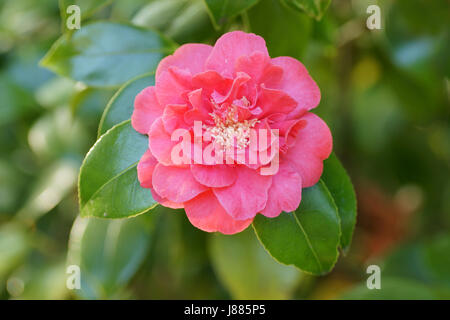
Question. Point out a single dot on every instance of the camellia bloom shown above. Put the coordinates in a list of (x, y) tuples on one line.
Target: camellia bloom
[(231, 89)]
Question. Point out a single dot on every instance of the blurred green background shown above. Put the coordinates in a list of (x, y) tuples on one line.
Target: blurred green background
[(385, 96)]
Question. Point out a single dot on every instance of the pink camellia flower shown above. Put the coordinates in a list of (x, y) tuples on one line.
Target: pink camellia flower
[(232, 89)]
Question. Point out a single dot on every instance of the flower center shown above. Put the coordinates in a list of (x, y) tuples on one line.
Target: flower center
[(228, 131)]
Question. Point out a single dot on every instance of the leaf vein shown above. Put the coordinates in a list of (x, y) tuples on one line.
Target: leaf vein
[(308, 241)]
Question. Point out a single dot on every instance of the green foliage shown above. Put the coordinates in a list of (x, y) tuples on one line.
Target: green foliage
[(182, 20), (338, 183), (53, 185), (393, 289), (222, 11), (108, 184), (248, 271), (426, 261), (87, 7), (384, 96), (94, 56), (309, 237), (294, 25), (13, 247), (418, 270), (120, 107), (314, 8), (108, 253), (159, 14)]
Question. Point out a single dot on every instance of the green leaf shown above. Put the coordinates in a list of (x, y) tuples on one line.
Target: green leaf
[(222, 11), (309, 237), (338, 183), (289, 23), (108, 252), (107, 54), (247, 270), (120, 107), (108, 184), (314, 8)]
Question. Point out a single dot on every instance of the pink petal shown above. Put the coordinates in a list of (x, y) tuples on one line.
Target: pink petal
[(173, 117), (146, 110), (257, 140), (313, 145), (217, 176), (275, 101), (172, 86), (177, 184), (247, 196), (206, 213), (191, 56), (271, 76), (230, 47), (164, 202), (160, 142), (200, 108), (297, 83), (145, 169), (231, 95), (285, 192), (254, 65), (289, 130), (211, 81)]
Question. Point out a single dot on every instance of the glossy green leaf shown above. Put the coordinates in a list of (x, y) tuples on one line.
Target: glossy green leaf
[(338, 183), (108, 184), (314, 8), (107, 54), (121, 105), (108, 253), (308, 237), (247, 270), (222, 11)]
